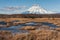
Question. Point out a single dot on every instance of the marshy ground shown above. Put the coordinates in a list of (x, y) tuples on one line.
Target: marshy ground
[(29, 28)]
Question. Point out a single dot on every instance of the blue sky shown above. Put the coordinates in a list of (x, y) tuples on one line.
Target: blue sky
[(17, 6)]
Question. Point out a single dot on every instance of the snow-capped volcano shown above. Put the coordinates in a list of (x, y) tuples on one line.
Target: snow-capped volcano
[(36, 9)]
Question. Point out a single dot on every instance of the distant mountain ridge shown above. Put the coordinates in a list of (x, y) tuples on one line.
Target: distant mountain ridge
[(30, 16)]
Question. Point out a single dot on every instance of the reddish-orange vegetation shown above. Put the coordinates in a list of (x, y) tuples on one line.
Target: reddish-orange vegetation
[(28, 28), (24, 20), (33, 35), (42, 33), (55, 21)]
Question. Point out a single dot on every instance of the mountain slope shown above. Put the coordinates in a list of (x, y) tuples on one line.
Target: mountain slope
[(36, 9)]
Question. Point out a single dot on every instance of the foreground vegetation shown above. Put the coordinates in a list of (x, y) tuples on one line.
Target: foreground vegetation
[(32, 35)]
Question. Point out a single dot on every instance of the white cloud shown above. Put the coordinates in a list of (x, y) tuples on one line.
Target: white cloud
[(9, 8), (13, 9)]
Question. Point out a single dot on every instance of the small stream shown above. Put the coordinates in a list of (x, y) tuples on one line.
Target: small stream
[(14, 29)]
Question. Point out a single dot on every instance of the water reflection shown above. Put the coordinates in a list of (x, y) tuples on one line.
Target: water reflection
[(14, 29), (41, 23), (49, 24), (2, 23)]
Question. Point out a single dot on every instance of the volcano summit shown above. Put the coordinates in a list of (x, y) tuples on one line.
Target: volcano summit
[(36, 9)]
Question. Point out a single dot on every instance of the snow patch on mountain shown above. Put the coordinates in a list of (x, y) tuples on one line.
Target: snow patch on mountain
[(36, 9)]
